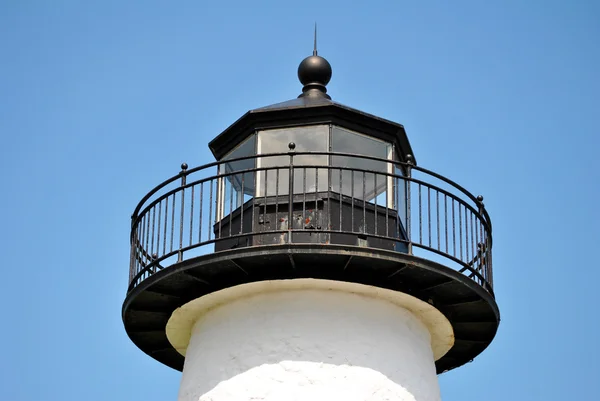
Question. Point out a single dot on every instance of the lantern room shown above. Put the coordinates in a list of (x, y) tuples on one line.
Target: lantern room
[(339, 162)]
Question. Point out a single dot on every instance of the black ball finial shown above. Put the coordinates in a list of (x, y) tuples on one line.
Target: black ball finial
[(314, 72)]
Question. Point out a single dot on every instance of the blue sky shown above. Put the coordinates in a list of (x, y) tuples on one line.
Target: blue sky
[(102, 100)]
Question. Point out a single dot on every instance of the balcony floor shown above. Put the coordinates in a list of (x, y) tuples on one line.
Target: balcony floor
[(471, 309)]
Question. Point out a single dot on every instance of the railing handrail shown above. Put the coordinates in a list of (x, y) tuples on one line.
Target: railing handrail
[(188, 172), (146, 260)]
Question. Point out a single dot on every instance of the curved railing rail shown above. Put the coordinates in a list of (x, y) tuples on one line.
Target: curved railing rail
[(426, 213)]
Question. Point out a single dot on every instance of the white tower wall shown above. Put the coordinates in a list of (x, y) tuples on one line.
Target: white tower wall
[(309, 340)]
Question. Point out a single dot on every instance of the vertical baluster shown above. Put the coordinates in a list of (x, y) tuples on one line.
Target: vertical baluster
[(265, 198), (303, 193), (192, 216), (277, 199), (159, 227), (437, 211), (387, 202), (165, 227), (153, 227), (329, 210), (231, 181), (408, 200), (341, 199), (182, 212), (453, 230), (460, 224), (446, 220), (467, 259), (242, 203), (172, 221), (291, 147), (255, 187), (364, 200), (375, 195), (473, 249), (200, 207), (429, 214), (352, 200), (420, 218), (146, 246), (316, 192), (210, 210)]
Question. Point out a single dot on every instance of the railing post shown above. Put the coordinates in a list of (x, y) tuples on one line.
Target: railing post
[(292, 147), (485, 248), (407, 195), (133, 239), (183, 174)]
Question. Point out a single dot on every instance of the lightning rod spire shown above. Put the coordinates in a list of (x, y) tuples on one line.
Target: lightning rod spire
[(315, 49)]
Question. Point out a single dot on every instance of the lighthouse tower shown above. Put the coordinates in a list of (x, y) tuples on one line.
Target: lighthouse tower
[(313, 260)]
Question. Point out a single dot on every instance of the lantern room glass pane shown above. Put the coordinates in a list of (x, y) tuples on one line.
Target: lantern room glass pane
[(366, 183), (236, 187), (274, 180)]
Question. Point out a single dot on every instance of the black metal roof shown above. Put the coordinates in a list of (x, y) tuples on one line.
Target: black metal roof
[(313, 106), (308, 111)]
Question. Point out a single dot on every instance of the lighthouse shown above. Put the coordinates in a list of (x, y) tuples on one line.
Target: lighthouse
[(312, 260)]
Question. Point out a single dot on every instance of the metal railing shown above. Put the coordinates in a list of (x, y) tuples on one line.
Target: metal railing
[(425, 213)]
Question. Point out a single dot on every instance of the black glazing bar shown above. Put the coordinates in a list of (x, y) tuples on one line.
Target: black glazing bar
[(243, 189), (352, 199), (158, 228), (420, 217), (166, 223), (153, 227), (429, 214), (364, 199), (210, 210), (446, 220), (375, 194), (290, 198), (460, 224), (277, 198), (200, 207), (437, 211), (453, 230), (172, 221), (340, 205), (192, 215), (303, 193)]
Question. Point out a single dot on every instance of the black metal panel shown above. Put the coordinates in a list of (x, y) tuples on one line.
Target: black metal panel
[(315, 220)]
